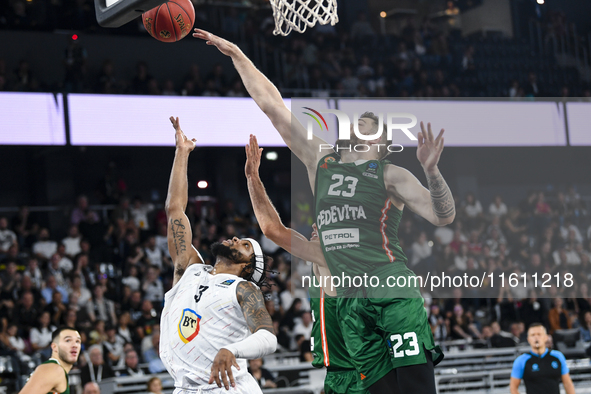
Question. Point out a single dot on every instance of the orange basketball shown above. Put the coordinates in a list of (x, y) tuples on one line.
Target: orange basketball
[(171, 21)]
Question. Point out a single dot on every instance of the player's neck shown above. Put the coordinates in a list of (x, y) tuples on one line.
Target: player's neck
[(540, 351), (223, 266), (351, 157), (66, 366)]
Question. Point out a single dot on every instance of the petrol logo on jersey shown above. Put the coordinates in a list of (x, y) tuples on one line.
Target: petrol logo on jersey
[(189, 325), (554, 364), (535, 368)]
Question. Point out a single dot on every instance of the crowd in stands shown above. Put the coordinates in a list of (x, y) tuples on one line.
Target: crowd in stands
[(424, 60), (106, 276)]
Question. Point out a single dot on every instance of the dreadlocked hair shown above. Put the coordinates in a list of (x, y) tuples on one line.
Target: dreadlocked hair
[(252, 266)]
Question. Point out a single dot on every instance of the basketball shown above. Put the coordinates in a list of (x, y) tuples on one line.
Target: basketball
[(171, 21)]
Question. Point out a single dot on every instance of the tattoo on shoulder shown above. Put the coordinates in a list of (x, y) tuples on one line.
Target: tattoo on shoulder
[(441, 198), (178, 235), (252, 302)]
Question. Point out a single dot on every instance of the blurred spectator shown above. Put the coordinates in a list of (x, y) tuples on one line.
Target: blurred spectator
[(148, 320), (531, 88), (95, 370), (497, 207), (44, 248), (7, 236), (501, 338), (139, 213), (262, 375), (51, 287), (140, 82), (155, 385), (113, 346), (91, 388), (438, 324), (460, 325), (558, 317), (81, 211), (40, 337), (421, 260), (362, 29), (100, 307), (586, 327), (72, 241), (56, 308), (152, 286), (131, 367)]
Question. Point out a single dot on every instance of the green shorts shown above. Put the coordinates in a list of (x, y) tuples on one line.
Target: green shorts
[(343, 382), (385, 333)]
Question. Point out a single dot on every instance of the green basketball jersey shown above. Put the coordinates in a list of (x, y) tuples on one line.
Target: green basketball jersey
[(328, 346), (358, 226), (54, 361)]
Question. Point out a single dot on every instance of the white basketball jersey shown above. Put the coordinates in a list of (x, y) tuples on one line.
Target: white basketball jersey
[(201, 315)]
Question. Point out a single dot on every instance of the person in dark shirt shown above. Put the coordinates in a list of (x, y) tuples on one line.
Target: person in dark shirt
[(263, 377), (541, 369)]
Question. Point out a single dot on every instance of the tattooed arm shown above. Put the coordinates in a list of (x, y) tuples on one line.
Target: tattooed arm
[(180, 234), (435, 204), (262, 341)]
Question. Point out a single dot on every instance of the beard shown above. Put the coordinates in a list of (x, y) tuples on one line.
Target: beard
[(65, 356), (220, 250)]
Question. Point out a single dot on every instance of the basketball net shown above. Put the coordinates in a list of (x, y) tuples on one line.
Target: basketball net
[(301, 14)]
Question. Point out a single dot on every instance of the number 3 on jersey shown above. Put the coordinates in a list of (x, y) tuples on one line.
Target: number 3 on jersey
[(398, 340), (351, 183)]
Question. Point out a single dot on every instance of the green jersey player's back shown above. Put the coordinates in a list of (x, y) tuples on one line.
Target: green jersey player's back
[(54, 361), (328, 346), (358, 225)]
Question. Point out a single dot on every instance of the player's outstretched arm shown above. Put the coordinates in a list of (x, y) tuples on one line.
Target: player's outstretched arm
[(180, 234), (47, 378), (269, 100), (435, 204), (267, 216)]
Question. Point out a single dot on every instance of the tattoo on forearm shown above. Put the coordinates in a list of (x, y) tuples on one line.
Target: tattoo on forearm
[(441, 198), (178, 235), (251, 300)]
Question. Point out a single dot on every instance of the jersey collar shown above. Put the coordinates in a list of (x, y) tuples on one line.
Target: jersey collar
[(537, 355)]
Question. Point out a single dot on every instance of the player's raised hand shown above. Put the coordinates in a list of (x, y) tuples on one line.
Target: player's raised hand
[(225, 46), (222, 364), (253, 157), (182, 142), (430, 148)]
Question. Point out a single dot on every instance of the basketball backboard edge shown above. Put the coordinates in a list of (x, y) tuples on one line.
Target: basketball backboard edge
[(116, 13)]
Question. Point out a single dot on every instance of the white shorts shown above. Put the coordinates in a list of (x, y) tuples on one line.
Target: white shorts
[(246, 384)]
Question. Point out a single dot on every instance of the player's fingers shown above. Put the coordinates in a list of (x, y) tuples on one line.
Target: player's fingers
[(235, 363), (226, 371), (430, 132), (420, 138), (232, 382)]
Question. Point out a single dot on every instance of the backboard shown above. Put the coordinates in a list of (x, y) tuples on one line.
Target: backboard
[(116, 13)]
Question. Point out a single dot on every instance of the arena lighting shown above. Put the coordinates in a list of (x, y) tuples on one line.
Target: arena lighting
[(540, 1), (74, 37), (272, 155), (202, 184), (383, 14)]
